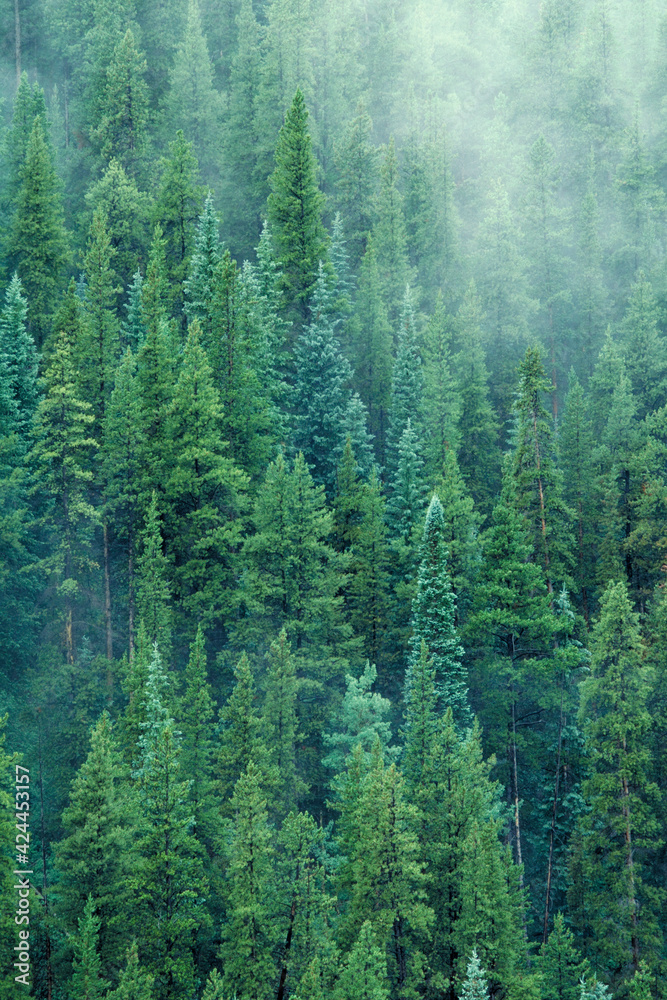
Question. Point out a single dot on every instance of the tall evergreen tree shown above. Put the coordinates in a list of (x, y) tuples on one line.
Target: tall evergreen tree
[(295, 212), (127, 215), (441, 400), (18, 350), (87, 981), (407, 383), (153, 585), (241, 738), (280, 724), (356, 161), (38, 246), (364, 976), (475, 985), (389, 236), (122, 132)]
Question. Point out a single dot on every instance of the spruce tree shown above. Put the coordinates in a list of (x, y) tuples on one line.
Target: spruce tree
[(295, 212), (134, 982), (194, 104), (153, 582), (195, 717), (356, 163), (389, 236), (433, 618), (29, 104), (206, 255), (620, 833), (38, 245), (361, 721), (441, 400), (241, 738), (18, 350), (127, 211), (279, 721), (122, 132), (364, 976), (560, 964), (645, 348), (368, 589), (321, 389), (475, 986), (133, 329), (407, 383), (87, 982), (176, 209), (97, 853), (249, 931)]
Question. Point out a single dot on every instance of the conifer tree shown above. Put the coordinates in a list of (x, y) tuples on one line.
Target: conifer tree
[(461, 534), (194, 104), (127, 213), (61, 458), (203, 491), (433, 618), (196, 713), (477, 425), (177, 208), (576, 453), (206, 255), (620, 833), (38, 246), (87, 981), (389, 237), (406, 383), (361, 721), (97, 854), (169, 879), (29, 104), (421, 724), (279, 720), (356, 162), (133, 329), (475, 986), (321, 389), (364, 976), (134, 982), (122, 132), (368, 590), (248, 935), (371, 335), (645, 348), (241, 739), (441, 401), (407, 496), (560, 964), (153, 586), (18, 350), (295, 212)]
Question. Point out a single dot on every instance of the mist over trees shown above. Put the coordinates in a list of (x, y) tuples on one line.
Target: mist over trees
[(333, 497)]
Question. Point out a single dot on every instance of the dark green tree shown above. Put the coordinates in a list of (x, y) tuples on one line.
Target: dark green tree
[(87, 982), (364, 976), (407, 384), (17, 348), (122, 132), (560, 964)]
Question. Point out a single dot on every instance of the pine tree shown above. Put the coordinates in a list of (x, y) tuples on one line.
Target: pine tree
[(461, 534), (371, 335), (177, 208), (280, 724), (368, 589), (406, 384), (620, 833), (206, 255), (241, 739), (20, 356), (433, 618), (389, 237), (61, 458), (441, 400), (196, 713), (246, 949), (575, 452), (560, 964), (361, 721), (134, 982), (203, 491), (477, 425), (645, 348), (153, 583), (295, 212), (321, 390), (364, 976), (127, 214), (421, 724), (133, 329), (356, 162), (87, 982), (29, 104), (97, 854), (169, 880), (195, 106), (38, 246), (122, 132)]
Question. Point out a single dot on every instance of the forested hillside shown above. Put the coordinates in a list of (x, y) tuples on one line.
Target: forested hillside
[(333, 498)]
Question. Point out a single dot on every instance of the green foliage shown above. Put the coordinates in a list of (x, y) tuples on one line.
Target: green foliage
[(17, 349), (134, 982), (475, 986), (122, 132), (364, 976), (153, 586), (87, 983), (560, 963)]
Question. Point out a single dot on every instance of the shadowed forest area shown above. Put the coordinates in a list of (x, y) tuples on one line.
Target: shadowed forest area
[(333, 498)]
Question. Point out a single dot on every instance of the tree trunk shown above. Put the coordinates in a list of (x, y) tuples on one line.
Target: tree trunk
[(17, 42)]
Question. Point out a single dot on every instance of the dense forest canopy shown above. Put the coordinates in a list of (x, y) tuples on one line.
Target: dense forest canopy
[(333, 498)]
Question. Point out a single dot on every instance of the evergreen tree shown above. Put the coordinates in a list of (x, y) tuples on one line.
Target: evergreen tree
[(364, 976), (196, 713), (356, 162), (153, 587), (619, 834), (279, 720), (87, 982), (295, 212), (177, 208), (645, 348), (18, 350), (249, 931), (193, 103), (389, 237), (61, 461), (241, 739), (38, 246), (97, 854), (127, 212), (368, 590), (321, 390), (134, 982), (441, 401), (29, 104), (576, 453), (122, 132), (433, 618), (406, 384), (362, 722), (206, 255), (560, 964), (475, 986)]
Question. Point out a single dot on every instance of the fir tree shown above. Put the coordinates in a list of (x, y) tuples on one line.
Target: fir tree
[(362, 721), (206, 255), (322, 377), (406, 384), (127, 214), (18, 350), (134, 982), (153, 587), (475, 985), (38, 247), (356, 162), (441, 401), (364, 976), (279, 720), (249, 932), (240, 739), (433, 618), (122, 132), (295, 212), (29, 104), (645, 348), (560, 964), (196, 713), (368, 590), (133, 329), (389, 237), (87, 982)]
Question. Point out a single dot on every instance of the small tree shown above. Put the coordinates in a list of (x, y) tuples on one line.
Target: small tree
[(475, 986)]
